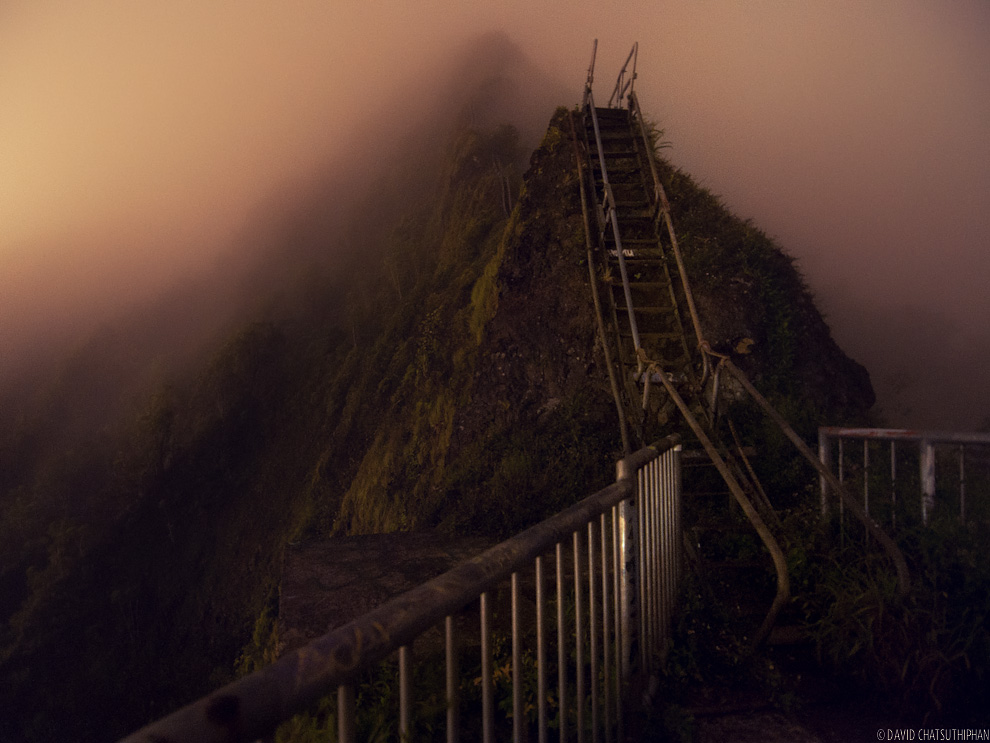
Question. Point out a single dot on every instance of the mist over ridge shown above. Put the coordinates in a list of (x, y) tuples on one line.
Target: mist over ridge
[(138, 141), (314, 232), (346, 374)]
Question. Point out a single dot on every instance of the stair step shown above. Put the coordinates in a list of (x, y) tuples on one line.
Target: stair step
[(658, 310), (646, 242), (633, 217), (617, 167), (641, 248), (643, 262), (636, 254), (642, 284), (628, 236), (625, 214), (620, 152), (614, 129), (604, 112), (629, 178), (638, 249), (614, 132)]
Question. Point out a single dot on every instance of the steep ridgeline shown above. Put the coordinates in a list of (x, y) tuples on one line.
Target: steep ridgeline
[(507, 409), (448, 378)]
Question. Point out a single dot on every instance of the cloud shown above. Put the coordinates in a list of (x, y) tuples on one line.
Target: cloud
[(137, 139)]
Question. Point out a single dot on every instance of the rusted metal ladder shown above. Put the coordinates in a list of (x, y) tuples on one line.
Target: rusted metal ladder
[(635, 251), (632, 239), (651, 314)]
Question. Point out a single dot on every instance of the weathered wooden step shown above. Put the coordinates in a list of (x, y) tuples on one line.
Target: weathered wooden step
[(629, 213), (640, 253), (617, 152), (643, 262), (626, 179), (613, 131), (665, 310), (643, 241), (604, 112), (642, 284), (623, 167)]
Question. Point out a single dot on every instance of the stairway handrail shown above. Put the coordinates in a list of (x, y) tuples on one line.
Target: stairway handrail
[(661, 196), (591, 68), (596, 301), (608, 212), (615, 100), (837, 488)]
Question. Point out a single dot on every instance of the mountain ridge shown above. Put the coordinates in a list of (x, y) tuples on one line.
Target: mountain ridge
[(450, 379)]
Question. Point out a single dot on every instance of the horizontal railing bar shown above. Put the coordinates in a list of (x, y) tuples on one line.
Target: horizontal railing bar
[(252, 707), (907, 434)]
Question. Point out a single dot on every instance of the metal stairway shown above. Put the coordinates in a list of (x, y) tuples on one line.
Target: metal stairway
[(635, 254), (648, 316), (661, 365)]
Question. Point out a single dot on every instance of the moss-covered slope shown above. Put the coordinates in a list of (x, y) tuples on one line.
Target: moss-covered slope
[(446, 376)]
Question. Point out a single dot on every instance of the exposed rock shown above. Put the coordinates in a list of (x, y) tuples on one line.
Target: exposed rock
[(327, 584)]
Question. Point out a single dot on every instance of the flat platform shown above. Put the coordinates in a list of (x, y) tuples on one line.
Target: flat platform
[(327, 584)]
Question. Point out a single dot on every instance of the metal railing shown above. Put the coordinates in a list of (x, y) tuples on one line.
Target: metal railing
[(898, 471), (606, 209), (663, 206), (624, 95), (622, 85), (616, 559)]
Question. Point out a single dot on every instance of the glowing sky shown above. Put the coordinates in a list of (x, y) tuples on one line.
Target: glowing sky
[(135, 138)]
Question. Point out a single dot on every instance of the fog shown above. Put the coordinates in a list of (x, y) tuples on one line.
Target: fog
[(139, 142)]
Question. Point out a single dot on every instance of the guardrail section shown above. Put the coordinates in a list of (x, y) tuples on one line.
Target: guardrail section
[(910, 475), (586, 596)]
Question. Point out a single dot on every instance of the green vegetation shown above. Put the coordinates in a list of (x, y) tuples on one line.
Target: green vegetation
[(443, 375), (161, 536), (921, 660), (927, 654), (147, 556)]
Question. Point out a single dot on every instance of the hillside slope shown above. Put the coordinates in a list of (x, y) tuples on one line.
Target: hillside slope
[(448, 378)]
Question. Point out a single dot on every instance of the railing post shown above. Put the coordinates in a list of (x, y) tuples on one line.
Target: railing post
[(927, 442), (962, 484), (670, 547), (893, 483), (628, 579), (825, 457), (345, 714), (927, 479), (866, 476), (405, 693), (450, 642)]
